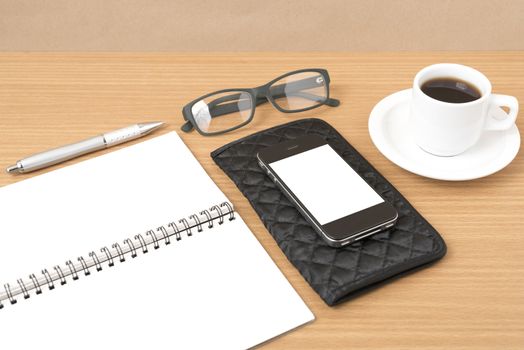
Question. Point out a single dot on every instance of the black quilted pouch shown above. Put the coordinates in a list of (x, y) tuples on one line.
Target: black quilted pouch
[(334, 273)]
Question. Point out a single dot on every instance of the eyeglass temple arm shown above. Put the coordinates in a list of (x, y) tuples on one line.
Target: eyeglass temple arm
[(278, 91)]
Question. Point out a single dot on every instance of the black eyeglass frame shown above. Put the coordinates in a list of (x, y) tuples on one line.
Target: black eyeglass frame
[(259, 95)]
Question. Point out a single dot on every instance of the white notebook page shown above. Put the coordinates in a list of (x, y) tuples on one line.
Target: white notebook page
[(216, 289), (69, 212)]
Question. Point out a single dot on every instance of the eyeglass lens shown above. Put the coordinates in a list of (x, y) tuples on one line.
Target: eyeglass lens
[(222, 111), (299, 91)]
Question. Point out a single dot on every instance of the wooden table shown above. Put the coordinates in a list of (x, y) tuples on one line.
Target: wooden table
[(472, 299)]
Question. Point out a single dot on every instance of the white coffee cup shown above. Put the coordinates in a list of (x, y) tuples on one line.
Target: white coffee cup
[(447, 129)]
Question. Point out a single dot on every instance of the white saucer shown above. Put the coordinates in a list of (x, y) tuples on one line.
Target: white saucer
[(390, 131)]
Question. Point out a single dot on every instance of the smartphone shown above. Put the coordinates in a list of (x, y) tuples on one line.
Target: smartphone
[(338, 203)]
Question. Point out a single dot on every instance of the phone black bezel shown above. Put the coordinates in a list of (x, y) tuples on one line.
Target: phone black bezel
[(345, 229)]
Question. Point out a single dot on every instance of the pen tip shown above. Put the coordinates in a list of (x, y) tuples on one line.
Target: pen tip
[(146, 128), (157, 124)]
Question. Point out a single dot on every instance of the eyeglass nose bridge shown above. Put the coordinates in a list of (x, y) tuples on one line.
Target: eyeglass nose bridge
[(261, 91), (261, 95)]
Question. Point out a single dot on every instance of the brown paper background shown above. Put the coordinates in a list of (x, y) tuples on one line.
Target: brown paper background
[(245, 25)]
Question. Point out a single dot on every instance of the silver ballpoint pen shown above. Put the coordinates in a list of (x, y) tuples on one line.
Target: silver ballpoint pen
[(61, 154)]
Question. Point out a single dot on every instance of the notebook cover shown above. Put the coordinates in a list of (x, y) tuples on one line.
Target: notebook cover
[(336, 274)]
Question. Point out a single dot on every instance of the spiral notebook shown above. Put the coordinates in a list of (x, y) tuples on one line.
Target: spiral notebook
[(135, 249)]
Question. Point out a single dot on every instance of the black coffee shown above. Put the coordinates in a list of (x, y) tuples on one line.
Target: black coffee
[(451, 90)]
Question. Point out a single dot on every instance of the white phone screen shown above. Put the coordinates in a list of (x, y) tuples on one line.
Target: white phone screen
[(325, 184)]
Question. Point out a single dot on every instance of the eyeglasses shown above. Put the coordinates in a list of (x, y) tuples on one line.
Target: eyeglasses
[(293, 92)]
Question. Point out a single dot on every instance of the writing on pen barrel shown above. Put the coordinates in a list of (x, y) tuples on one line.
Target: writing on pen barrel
[(61, 154)]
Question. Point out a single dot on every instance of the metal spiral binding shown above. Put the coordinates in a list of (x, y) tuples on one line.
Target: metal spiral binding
[(61, 275), (220, 215), (109, 257), (121, 255), (23, 288), (197, 222), (73, 269), (131, 246), (36, 284), (96, 261), (163, 230), (229, 208), (84, 265), (48, 279), (151, 233), (174, 227), (208, 216), (9, 293), (142, 242), (186, 227)]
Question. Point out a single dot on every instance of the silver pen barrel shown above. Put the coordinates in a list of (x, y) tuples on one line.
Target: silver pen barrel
[(58, 155), (77, 149)]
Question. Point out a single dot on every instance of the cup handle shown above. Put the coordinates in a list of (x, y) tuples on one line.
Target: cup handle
[(497, 118)]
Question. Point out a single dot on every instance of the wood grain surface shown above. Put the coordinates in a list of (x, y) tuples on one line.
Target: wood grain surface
[(472, 299)]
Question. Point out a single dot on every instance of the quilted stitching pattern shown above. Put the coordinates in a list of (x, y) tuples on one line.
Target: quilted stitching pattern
[(334, 273)]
